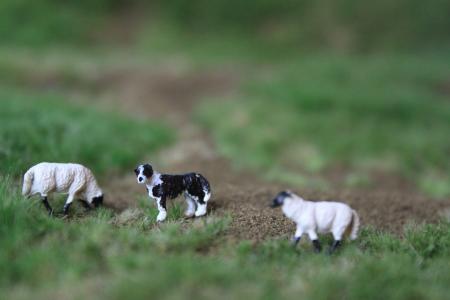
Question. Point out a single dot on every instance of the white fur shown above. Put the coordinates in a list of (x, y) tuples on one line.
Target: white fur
[(73, 179), (201, 208), (321, 217), (150, 184)]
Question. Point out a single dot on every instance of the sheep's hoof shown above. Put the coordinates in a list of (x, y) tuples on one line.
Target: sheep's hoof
[(317, 246), (295, 241), (334, 247)]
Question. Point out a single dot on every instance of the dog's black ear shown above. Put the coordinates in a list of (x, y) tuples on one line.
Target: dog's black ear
[(148, 170)]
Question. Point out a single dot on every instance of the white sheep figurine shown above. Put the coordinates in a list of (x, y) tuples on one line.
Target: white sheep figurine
[(73, 179), (323, 217)]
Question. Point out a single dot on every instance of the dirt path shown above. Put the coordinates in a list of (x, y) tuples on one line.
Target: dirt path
[(170, 96)]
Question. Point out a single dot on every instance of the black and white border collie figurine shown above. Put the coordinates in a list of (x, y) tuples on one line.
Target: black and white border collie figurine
[(161, 187)]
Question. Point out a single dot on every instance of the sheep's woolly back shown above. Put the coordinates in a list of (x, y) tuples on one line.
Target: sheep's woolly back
[(73, 179), (27, 183), (355, 226)]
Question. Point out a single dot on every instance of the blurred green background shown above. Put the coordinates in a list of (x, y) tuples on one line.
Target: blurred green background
[(345, 25), (355, 84)]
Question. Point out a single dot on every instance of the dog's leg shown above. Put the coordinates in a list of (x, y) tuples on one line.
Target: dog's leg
[(190, 210), (161, 202), (67, 205), (202, 205), (47, 205)]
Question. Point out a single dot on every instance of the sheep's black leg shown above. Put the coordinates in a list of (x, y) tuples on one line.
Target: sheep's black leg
[(317, 246), (47, 206), (66, 209), (334, 246), (295, 240)]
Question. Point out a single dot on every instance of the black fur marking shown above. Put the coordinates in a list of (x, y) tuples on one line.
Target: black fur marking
[(136, 171), (148, 171), (162, 202), (157, 191), (174, 185)]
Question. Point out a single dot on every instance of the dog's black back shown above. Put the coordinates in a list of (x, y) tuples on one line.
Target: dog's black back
[(174, 185)]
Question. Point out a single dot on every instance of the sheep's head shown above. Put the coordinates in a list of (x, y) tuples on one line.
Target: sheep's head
[(143, 173), (97, 201), (279, 199)]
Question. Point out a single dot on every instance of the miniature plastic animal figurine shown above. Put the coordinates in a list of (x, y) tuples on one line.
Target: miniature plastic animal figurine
[(323, 217), (162, 187), (73, 179)]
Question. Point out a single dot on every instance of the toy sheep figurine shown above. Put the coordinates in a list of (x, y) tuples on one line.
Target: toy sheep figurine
[(73, 179), (323, 217)]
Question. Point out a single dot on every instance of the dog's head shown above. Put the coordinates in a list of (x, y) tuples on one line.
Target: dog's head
[(97, 201), (279, 199), (143, 173)]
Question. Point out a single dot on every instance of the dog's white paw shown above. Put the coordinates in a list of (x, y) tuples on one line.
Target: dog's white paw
[(161, 217), (201, 211)]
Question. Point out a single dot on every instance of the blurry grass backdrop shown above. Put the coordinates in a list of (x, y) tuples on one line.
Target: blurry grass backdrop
[(383, 112), (43, 127), (344, 25)]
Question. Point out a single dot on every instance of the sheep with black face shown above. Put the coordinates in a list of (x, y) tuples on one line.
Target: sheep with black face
[(73, 179), (318, 217)]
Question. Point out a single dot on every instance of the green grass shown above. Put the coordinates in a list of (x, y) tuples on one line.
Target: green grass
[(37, 127), (96, 257), (341, 25), (318, 112)]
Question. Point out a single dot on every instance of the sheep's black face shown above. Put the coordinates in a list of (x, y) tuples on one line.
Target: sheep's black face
[(97, 201), (279, 199), (143, 173)]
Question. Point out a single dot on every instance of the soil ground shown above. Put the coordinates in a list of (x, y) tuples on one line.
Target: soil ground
[(389, 204)]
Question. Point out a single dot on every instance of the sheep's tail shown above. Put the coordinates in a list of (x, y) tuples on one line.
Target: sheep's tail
[(27, 183), (355, 225)]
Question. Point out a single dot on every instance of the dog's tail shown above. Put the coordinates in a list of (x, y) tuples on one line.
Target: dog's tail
[(27, 182), (354, 225)]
